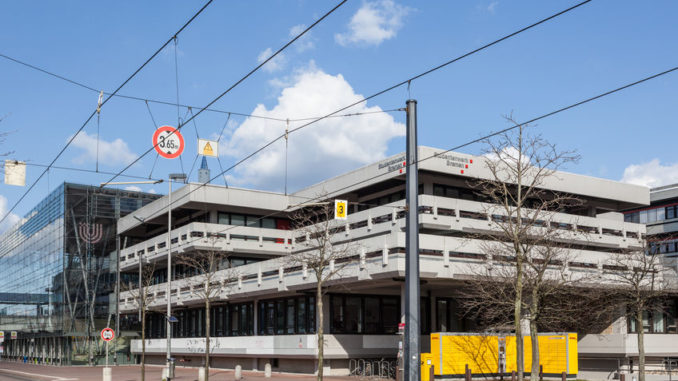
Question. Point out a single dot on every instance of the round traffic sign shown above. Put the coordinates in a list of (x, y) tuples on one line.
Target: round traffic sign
[(107, 334), (168, 142)]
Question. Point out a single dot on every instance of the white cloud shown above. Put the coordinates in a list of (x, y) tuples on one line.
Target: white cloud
[(110, 153), (306, 41), (319, 151), (373, 23), (11, 219), (492, 7), (651, 174), (133, 188), (275, 64), (509, 155)]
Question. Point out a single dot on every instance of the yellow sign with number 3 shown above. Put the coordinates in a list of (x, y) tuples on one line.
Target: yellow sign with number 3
[(340, 211)]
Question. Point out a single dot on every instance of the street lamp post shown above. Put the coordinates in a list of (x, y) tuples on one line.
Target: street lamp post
[(168, 293)]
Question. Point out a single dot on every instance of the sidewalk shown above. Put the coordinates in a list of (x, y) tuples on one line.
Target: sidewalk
[(20, 371)]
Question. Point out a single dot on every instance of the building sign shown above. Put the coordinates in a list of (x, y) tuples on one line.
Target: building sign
[(397, 164), (13, 335), (455, 161), (90, 233)]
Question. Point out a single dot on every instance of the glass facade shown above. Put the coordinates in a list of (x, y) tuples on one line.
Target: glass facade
[(56, 273)]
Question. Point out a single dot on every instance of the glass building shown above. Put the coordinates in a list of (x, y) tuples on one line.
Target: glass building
[(58, 270)]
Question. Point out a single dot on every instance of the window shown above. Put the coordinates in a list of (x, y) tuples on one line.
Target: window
[(670, 212), (448, 318), (268, 223), (237, 219), (657, 321), (368, 314), (287, 316)]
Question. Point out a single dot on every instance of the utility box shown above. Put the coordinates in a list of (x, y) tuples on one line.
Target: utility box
[(426, 360), (494, 355)]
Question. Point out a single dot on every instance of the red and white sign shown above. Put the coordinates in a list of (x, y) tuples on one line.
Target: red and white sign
[(168, 142), (107, 334)]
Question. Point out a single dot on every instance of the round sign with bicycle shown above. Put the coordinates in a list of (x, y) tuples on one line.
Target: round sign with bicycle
[(107, 334), (168, 142)]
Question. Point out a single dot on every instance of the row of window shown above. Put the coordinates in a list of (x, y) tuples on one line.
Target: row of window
[(226, 320), (657, 321), (253, 221), (652, 215), (349, 314), (664, 247), (287, 316)]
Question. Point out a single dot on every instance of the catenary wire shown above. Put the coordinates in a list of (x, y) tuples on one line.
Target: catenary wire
[(68, 143), (85, 170), (408, 164), (407, 81), (238, 82), (168, 103)]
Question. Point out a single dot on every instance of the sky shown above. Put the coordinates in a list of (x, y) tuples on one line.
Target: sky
[(362, 48)]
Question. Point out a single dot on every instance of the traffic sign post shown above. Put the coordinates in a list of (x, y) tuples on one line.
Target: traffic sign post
[(107, 335), (168, 142)]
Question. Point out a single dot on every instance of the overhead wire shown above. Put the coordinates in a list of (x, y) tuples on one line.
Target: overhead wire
[(83, 170), (70, 140), (407, 81), (168, 103), (238, 82)]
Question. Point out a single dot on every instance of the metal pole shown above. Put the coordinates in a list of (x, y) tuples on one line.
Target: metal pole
[(169, 274), (117, 292), (412, 330)]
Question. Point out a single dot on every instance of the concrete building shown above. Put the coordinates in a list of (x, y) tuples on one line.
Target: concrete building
[(267, 314)]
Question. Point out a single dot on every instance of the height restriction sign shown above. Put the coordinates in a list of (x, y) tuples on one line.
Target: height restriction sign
[(168, 142)]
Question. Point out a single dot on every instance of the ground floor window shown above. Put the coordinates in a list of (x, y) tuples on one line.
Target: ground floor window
[(657, 321), (370, 314), (287, 316)]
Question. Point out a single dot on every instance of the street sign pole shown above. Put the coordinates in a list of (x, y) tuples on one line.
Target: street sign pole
[(412, 331)]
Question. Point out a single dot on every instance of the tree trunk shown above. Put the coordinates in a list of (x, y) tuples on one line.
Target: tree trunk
[(517, 316), (321, 332), (641, 344), (534, 371), (143, 345), (207, 339)]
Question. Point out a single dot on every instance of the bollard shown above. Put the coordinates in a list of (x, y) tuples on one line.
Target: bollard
[(267, 370), (108, 374), (431, 373), (513, 375), (468, 376), (201, 374), (622, 377), (238, 372), (563, 377), (541, 372)]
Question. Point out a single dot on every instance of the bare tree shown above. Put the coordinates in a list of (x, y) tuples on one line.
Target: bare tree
[(213, 281), (525, 246), (640, 286), (325, 257), (143, 297)]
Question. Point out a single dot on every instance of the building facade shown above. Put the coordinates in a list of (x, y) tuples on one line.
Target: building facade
[(57, 273), (265, 310)]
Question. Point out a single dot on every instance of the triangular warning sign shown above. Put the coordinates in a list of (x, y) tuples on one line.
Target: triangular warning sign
[(207, 151)]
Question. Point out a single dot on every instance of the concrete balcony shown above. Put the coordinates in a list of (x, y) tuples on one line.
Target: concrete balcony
[(206, 236)]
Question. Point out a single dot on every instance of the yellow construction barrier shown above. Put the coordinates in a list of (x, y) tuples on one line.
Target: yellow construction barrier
[(492, 355)]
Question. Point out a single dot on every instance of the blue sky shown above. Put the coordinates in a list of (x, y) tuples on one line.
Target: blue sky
[(363, 47)]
